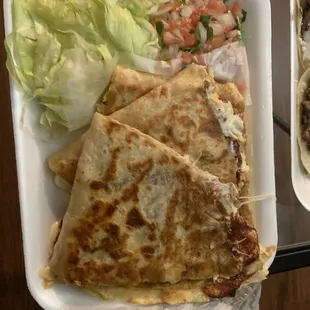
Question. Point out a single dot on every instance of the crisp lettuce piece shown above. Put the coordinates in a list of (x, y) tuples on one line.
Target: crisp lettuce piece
[(126, 32), (74, 88), (67, 15), (20, 47), (47, 54), (63, 52), (138, 8)]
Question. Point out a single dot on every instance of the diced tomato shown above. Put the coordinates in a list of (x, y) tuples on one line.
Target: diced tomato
[(229, 28), (170, 39), (217, 6), (236, 9), (186, 58), (184, 23), (189, 39), (172, 23), (195, 17), (242, 88)]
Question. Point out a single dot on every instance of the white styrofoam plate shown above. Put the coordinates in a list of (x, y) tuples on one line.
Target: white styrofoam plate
[(300, 180), (42, 203)]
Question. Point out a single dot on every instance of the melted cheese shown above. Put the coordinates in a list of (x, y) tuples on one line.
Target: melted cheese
[(61, 183), (305, 45), (231, 124)]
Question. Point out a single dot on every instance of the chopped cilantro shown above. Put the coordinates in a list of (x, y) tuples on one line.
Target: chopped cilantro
[(205, 20), (197, 34), (244, 14), (159, 28), (241, 37), (197, 48), (193, 49), (209, 33)]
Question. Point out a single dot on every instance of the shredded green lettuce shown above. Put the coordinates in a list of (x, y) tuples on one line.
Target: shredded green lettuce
[(63, 52)]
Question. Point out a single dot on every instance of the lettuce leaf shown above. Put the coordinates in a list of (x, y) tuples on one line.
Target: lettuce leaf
[(73, 89), (63, 52)]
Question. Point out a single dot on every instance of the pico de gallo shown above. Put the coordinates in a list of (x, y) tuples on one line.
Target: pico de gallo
[(192, 27)]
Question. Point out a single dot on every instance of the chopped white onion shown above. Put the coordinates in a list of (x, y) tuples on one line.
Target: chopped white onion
[(177, 32), (153, 10), (179, 54), (165, 24), (203, 33), (173, 50), (217, 29), (232, 33), (200, 2), (186, 11), (225, 19), (175, 15), (162, 11), (229, 2)]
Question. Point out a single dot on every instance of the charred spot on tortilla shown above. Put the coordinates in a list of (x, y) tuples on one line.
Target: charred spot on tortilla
[(210, 126), (135, 218), (130, 193), (113, 126), (305, 6), (130, 137), (164, 91), (147, 251), (98, 184), (100, 210), (224, 287), (141, 167), (110, 172), (113, 231)]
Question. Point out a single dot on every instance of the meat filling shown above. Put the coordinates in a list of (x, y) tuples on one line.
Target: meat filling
[(305, 5), (305, 117), (240, 176)]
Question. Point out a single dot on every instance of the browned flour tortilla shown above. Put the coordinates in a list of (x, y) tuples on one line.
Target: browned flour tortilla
[(145, 225), (178, 114), (126, 86)]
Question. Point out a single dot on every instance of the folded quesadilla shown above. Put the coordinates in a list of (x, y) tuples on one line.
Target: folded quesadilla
[(126, 86), (146, 226), (190, 113)]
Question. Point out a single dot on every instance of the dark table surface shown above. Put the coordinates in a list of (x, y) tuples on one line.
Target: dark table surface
[(293, 219)]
